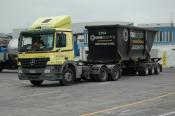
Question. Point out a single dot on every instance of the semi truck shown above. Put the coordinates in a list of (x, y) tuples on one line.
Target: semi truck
[(113, 50)]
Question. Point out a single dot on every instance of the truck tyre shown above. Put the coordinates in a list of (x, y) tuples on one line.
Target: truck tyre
[(68, 76), (157, 69), (151, 70), (114, 74), (160, 66), (103, 74), (36, 82), (144, 71)]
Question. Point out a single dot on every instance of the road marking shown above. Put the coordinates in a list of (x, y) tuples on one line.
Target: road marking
[(39, 94), (130, 104), (167, 113)]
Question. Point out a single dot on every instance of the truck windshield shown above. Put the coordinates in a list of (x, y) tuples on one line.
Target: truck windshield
[(36, 42)]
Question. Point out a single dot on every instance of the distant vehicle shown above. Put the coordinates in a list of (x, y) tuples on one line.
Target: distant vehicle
[(8, 54), (113, 49)]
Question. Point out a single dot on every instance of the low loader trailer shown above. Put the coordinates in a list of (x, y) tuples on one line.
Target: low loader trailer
[(113, 50)]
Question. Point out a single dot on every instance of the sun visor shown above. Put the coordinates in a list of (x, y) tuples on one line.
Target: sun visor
[(52, 22)]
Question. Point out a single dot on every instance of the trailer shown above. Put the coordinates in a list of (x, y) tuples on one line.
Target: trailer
[(127, 47), (113, 50)]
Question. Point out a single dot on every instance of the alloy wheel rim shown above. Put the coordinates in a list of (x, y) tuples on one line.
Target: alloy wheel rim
[(68, 76)]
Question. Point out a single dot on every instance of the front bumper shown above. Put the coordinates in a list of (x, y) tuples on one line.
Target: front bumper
[(51, 73)]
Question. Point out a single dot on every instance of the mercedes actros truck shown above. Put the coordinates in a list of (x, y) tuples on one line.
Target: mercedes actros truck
[(113, 50)]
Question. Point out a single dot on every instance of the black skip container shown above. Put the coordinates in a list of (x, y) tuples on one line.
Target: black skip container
[(115, 43)]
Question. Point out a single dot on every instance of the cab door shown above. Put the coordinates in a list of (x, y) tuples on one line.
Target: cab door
[(64, 45)]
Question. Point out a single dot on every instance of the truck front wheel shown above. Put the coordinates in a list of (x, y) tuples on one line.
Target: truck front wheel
[(36, 82), (68, 76)]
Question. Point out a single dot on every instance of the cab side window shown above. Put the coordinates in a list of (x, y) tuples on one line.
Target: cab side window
[(61, 40)]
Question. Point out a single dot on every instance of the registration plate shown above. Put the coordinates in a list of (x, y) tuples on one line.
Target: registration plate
[(32, 71)]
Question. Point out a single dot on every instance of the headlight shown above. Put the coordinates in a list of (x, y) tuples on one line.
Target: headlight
[(47, 71)]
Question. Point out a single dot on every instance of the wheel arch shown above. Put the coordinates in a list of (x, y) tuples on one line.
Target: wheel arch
[(71, 65)]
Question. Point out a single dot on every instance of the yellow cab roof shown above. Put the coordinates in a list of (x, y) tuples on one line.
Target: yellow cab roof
[(56, 22)]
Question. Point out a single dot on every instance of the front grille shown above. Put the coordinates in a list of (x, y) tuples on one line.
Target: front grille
[(34, 62)]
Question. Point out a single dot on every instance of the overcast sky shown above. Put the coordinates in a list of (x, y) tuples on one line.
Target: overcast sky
[(21, 13)]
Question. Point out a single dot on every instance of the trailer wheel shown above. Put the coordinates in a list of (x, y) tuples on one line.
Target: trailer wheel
[(68, 76), (152, 70), (115, 73), (157, 69), (144, 71), (160, 66), (36, 82), (103, 74)]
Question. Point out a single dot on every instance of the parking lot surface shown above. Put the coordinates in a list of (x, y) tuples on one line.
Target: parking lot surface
[(152, 95)]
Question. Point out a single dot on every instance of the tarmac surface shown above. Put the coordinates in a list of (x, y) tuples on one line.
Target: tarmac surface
[(152, 95)]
